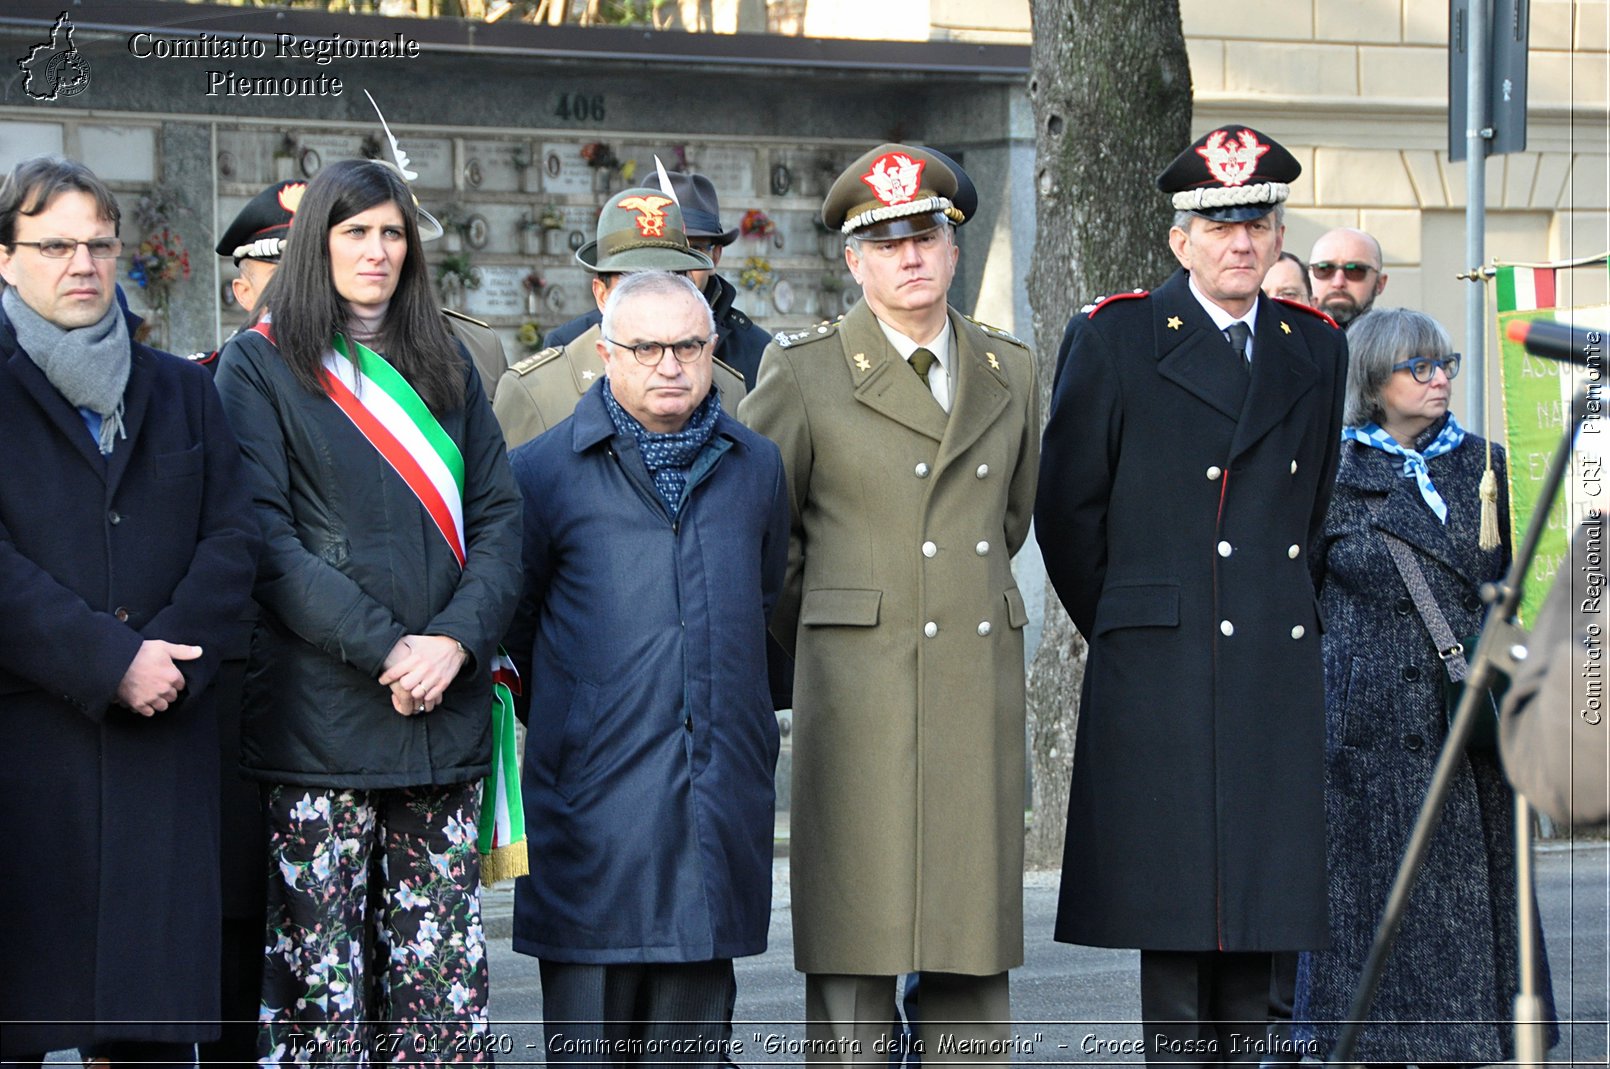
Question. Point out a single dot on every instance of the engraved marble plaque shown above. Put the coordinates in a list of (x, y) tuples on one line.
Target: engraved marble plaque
[(252, 153), (499, 294), (495, 162), (25, 139), (563, 169), (332, 148), (503, 227), (730, 170), (432, 158), (119, 153)]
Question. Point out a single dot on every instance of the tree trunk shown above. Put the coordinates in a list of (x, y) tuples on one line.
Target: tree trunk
[(1111, 87)]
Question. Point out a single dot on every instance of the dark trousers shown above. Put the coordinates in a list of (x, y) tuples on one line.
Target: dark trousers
[(242, 978), (124, 1052), (666, 1013), (1282, 996), (1204, 1008)]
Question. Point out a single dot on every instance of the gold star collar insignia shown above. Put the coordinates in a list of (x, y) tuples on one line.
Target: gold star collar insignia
[(1285, 327), (1175, 322), (862, 362), (994, 363)]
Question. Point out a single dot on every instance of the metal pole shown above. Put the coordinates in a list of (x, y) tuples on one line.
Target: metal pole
[(1477, 134), (1529, 1046)]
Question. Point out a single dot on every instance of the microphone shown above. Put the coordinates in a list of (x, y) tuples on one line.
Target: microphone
[(1559, 341)]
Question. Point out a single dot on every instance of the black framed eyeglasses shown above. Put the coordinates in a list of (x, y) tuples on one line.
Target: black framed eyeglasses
[(1424, 368), (61, 248), (650, 353), (1352, 270)]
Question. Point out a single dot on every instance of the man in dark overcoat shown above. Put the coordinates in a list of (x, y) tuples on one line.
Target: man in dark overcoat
[(127, 547), (1188, 458)]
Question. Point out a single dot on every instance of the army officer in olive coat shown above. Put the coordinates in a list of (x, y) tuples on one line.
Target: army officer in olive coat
[(910, 438)]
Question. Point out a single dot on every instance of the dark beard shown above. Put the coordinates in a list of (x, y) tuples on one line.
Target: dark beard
[(1342, 308)]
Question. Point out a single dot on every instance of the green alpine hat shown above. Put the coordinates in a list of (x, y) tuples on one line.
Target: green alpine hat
[(641, 230)]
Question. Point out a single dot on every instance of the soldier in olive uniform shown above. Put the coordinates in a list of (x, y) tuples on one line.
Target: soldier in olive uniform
[(638, 230), (910, 435)]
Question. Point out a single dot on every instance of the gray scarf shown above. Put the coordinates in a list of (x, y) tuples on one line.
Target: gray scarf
[(89, 366)]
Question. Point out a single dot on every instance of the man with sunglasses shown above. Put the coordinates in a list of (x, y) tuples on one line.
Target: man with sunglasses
[(127, 549), (656, 535), (640, 229), (1345, 266)]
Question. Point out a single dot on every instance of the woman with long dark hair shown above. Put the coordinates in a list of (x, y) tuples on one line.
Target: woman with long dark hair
[(392, 565)]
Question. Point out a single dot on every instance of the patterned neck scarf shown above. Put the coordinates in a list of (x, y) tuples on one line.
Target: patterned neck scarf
[(668, 456), (1414, 460)]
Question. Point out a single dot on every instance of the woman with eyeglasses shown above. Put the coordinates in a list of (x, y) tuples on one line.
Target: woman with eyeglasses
[(391, 568), (1401, 549)]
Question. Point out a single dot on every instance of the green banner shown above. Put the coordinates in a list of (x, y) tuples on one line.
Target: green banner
[(1536, 402)]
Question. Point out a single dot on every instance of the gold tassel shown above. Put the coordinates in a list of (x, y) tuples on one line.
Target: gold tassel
[(1489, 510), (504, 863)]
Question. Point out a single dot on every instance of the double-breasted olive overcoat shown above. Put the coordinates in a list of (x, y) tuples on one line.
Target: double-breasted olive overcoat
[(907, 633)]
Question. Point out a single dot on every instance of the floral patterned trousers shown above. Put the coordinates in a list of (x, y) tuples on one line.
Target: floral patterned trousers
[(375, 951)]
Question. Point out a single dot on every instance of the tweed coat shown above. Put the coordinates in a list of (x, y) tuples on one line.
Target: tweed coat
[(907, 633), (109, 897), (1455, 958), (1177, 495), (542, 390)]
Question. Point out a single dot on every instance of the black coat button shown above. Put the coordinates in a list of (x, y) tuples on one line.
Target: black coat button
[(1405, 606), (1412, 742), (114, 517), (688, 724), (1410, 673), (122, 614), (1472, 602)]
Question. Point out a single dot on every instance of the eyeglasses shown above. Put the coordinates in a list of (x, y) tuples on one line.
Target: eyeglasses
[(1424, 368), (1352, 271), (650, 353), (61, 248)]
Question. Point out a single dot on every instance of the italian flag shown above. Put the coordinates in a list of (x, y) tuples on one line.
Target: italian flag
[(397, 422), (1522, 289)]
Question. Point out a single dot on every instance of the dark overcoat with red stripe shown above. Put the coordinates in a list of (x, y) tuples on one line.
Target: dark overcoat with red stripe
[(1178, 495)]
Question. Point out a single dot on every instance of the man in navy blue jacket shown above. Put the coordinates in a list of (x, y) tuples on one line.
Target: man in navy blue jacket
[(656, 535)]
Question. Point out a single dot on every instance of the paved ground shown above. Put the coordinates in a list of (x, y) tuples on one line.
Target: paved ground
[(1073, 1001)]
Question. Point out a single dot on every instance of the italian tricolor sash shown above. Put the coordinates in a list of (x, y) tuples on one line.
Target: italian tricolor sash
[(396, 421)]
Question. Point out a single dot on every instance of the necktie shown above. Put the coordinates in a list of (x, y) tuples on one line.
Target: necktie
[(921, 361), (1238, 334)]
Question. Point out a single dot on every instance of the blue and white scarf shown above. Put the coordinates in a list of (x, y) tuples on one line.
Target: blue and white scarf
[(668, 456), (1414, 461)]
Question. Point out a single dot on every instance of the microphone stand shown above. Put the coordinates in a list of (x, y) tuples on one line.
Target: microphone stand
[(1501, 647)]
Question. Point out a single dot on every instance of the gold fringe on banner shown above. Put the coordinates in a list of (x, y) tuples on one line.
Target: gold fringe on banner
[(1490, 537), (504, 863)]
